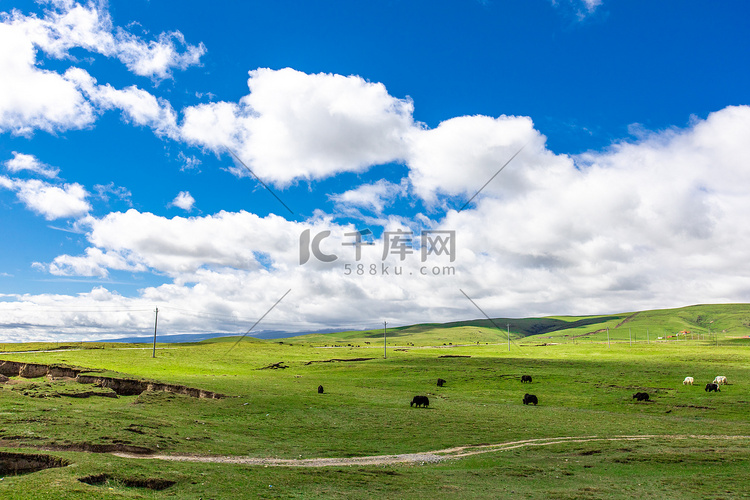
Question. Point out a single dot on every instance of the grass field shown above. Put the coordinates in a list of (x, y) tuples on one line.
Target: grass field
[(685, 443)]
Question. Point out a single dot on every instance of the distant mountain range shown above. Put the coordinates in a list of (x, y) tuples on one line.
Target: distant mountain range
[(724, 320), (197, 337)]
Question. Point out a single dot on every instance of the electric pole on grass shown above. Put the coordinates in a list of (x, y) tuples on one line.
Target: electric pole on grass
[(508, 325), (608, 345), (156, 321), (385, 352), (630, 333)]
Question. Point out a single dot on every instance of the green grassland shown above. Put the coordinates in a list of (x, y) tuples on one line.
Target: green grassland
[(584, 386), (708, 323)]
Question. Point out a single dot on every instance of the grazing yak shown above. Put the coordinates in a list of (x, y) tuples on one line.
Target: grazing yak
[(320, 389), (420, 401), (712, 387), (640, 396), (441, 382), (719, 380), (688, 381), (530, 399), (525, 378)]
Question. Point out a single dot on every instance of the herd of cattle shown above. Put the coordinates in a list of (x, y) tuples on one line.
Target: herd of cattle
[(710, 387), (424, 402)]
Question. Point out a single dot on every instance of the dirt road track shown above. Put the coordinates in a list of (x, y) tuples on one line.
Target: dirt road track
[(419, 458)]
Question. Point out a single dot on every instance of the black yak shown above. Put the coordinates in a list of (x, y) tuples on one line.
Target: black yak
[(525, 378), (530, 399), (641, 396), (712, 387), (441, 382), (320, 389), (420, 401)]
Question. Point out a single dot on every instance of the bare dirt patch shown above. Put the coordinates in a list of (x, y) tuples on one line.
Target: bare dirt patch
[(150, 483), (338, 360), (121, 386), (12, 464), (11, 442)]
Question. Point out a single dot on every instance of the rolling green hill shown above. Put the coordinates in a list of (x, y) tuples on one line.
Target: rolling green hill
[(700, 322)]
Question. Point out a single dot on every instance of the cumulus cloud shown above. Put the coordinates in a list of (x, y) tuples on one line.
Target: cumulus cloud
[(94, 262), (653, 223), (638, 224), (33, 98), (375, 196), (180, 246), (48, 200), (70, 24), (229, 268), (139, 107), (21, 162), (294, 125), (184, 201), (459, 156)]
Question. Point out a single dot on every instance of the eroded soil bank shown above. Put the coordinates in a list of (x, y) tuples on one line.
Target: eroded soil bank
[(121, 386), (23, 463)]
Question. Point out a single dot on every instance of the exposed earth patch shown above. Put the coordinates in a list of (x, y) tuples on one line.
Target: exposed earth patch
[(120, 386), (12, 464), (150, 483)]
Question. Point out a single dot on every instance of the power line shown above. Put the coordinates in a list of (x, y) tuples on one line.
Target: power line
[(261, 318)]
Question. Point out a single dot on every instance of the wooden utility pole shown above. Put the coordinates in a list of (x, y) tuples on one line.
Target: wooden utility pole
[(608, 345), (156, 322), (508, 325), (385, 336), (631, 337)]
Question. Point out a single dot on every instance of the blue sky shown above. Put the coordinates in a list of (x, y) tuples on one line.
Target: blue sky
[(118, 193)]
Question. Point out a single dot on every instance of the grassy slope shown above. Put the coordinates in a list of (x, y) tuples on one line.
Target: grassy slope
[(728, 321), (584, 389)]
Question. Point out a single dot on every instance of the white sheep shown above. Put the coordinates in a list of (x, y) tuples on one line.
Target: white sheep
[(688, 381), (720, 380)]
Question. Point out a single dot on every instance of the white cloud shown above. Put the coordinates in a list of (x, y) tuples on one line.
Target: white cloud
[(189, 162), (50, 201), (295, 126), (184, 201), (213, 125), (581, 8), (71, 24), (22, 161), (591, 5), (653, 223), (140, 107), (656, 223), (641, 225), (459, 156), (180, 246), (375, 196), (94, 262), (33, 98), (104, 191)]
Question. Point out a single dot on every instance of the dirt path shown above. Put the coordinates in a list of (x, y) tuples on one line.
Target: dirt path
[(417, 458)]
